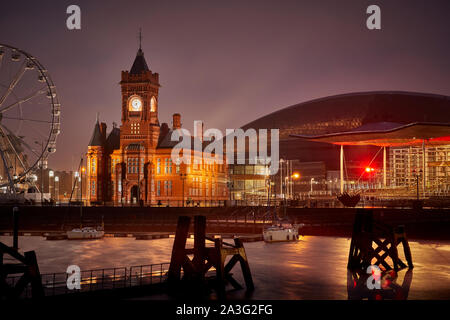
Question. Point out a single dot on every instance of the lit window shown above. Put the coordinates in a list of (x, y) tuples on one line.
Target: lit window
[(93, 165), (168, 165), (153, 104), (158, 166)]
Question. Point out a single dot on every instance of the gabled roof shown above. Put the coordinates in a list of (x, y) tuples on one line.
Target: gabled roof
[(113, 140), (139, 64), (96, 139), (165, 141)]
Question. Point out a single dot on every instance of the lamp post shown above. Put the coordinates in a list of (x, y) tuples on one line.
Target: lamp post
[(56, 193), (183, 178), (268, 183), (42, 168), (285, 192), (77, 175), (281, 177), (417, 175), (286, 187), (51, 174), (294, 176), (83, 169), (81, 190), (230, 185), (310, 193)]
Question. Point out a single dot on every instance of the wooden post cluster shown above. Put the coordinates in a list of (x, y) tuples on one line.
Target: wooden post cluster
[(366, 232), (205, 258), (28, 266)]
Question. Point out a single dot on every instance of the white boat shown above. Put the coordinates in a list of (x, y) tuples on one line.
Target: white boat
[(85, 233), (280, 233)]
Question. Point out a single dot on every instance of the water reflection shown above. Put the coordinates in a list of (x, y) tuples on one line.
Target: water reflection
[(313, 268)]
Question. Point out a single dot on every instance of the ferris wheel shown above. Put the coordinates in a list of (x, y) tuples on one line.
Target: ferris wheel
[(29, 117)]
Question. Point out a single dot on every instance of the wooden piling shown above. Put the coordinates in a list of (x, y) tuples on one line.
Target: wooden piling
[(179, 245), (205, 258), (27, 266), (366, 232), (16, 228)]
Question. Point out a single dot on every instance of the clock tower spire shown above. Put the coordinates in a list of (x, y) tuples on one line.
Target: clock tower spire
[(140, 88)]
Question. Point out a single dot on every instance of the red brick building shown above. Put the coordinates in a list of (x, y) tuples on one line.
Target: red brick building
[(133, 164)]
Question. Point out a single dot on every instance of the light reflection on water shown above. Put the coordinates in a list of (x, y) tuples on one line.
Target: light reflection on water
[(313, 268)]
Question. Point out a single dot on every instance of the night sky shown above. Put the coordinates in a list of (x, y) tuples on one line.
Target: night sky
[(226, 62)]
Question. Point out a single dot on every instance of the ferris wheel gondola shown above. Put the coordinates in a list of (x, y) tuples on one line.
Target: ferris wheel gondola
[(29, 117)]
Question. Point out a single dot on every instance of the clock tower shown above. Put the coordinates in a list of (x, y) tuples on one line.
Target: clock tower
[(139, 131), (132, 165), (139, 88)]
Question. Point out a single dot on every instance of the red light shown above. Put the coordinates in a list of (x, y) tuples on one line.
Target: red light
[(367, 169)]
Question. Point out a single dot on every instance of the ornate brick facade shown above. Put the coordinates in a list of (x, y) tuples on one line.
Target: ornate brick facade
[(133, 163)]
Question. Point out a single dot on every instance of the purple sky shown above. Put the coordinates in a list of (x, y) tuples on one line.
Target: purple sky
[(226, 62)]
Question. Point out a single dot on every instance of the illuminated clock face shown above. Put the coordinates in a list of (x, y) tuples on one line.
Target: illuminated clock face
[(135, 104)]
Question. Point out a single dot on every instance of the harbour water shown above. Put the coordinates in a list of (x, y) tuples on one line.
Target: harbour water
[(312, 268)]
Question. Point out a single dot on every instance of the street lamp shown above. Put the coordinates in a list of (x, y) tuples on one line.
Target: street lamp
[(310, 193), (80, 179), (83, 169), (41, 162), (286, 190), (51, 174), (76, 175), (281, 177), (417, 175), (183, 177), (230, 185), (268, 183), (81, 190), (286, 187), (54, 187), (294, 176)]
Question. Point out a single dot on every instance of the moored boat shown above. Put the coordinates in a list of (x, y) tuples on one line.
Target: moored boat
[(85, 233), (280, 233)]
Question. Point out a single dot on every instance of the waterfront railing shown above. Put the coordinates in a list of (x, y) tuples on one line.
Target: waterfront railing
[(99, 279)]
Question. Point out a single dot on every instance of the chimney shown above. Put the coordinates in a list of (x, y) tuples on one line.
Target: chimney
[(164, 130), (176, 121)]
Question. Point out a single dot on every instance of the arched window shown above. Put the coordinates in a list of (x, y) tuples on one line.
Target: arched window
[(153, 104)]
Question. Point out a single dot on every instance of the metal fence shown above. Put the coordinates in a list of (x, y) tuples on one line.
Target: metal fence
[(100, 279)]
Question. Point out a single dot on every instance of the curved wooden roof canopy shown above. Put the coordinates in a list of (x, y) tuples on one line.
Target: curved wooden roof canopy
[(388, 135)]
